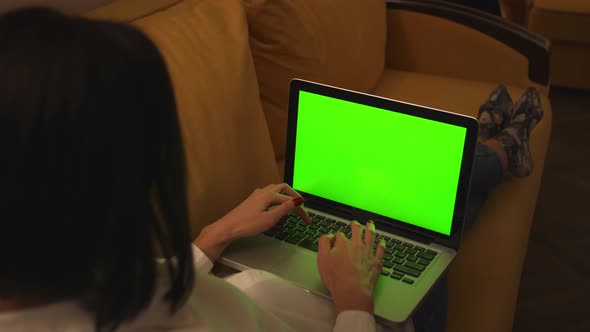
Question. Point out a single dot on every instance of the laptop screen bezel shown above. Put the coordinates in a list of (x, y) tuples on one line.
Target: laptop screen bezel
[(469, 123)]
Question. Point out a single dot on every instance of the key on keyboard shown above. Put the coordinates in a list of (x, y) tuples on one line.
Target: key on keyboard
[(400, 258)]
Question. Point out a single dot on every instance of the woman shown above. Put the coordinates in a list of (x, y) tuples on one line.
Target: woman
[(94, 190)]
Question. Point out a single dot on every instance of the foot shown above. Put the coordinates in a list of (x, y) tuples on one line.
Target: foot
[(494, 113), (515, 136)]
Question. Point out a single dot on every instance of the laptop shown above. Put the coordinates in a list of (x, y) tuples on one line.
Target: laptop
[(355, 156)]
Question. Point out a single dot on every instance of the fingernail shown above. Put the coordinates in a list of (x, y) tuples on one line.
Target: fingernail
[(330, 235), (382, 242), (298, 201), (371, 225), (356, 222)]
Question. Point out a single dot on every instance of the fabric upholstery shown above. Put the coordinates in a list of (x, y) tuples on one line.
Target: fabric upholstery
[(428, 44), (567, 24), (227, 145), (336, 42), (560, 23), (67, 6), (130, 10), (482, 298), (570, 65), (515, 10), (568, 6)]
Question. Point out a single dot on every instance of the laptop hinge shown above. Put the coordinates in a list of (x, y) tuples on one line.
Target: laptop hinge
[(353, 214), (343, 213), (393, 229)]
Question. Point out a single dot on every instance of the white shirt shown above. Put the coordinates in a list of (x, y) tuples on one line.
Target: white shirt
[(247, 301)]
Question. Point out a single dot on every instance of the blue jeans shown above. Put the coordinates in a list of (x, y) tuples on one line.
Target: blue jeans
[(487, 172)]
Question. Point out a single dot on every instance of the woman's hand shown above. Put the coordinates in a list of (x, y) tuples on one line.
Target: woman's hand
[(349, 268), (250, 218), (253, 216)]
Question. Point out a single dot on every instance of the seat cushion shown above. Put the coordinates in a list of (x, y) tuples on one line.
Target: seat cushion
[(227, 145), (337, 42), (567, 24), (570, 66), (567, 6), (564, 20), (485, 276)]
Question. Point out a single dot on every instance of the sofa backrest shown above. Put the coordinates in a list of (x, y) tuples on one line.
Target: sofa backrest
[(337, 42), (67, 6), (205, 46)]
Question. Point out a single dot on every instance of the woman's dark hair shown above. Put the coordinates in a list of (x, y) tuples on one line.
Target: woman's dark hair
[(92, 170)]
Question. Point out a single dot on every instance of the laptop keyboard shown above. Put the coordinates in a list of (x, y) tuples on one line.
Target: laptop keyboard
[(401, 261)]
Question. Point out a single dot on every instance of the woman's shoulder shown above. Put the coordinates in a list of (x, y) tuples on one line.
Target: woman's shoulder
[(213, 305), (55, 317)]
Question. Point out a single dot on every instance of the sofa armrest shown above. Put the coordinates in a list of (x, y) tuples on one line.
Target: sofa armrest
[(447, 39)]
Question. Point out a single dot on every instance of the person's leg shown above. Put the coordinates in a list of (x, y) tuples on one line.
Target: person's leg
[(489, 166), (508, 151), (503, 144), (514, 138), (505, 128), (488, 171), (431, 316), (494, 113)]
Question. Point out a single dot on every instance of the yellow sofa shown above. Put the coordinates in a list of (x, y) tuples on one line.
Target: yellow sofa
[(430, 53), (567, 24), (231, 62)]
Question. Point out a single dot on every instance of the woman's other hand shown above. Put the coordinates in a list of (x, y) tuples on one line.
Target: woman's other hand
[(257, 213), (349, 268), (253, 215)]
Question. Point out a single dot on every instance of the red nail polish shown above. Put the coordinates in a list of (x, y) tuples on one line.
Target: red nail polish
[(298, 201)]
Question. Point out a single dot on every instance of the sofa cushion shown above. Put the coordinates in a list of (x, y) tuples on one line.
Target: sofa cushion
[(340, 43), (570, 66), (66, 6), (568, 6), (564, 20), (226, 140), (499, 237)]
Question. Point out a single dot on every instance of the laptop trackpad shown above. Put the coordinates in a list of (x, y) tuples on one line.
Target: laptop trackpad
[(300, 267), (259, 252), (292, 263)]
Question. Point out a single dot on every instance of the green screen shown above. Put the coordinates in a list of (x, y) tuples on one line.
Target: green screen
[(396, 165)]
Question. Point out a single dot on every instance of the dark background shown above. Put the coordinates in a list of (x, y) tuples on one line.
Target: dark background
[(555, 286)]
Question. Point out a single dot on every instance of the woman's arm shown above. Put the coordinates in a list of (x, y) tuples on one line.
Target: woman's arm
[(337, 256), (212, 241), (355, 320), (253, 216)]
